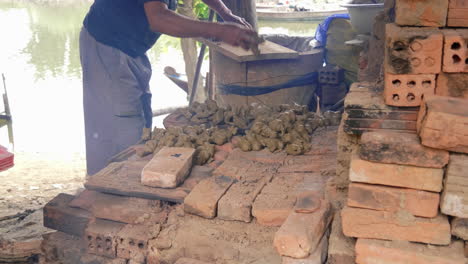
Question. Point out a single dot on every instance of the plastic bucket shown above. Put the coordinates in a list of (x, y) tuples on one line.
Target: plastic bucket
[(362, 16)]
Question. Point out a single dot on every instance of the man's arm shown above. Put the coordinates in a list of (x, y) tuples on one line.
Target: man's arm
[(219, 7), (163, 20)]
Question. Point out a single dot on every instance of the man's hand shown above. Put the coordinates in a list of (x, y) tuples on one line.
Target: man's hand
[(237, 35), (230, 17)]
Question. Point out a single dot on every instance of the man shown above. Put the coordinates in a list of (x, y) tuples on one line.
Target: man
[(116, 70)]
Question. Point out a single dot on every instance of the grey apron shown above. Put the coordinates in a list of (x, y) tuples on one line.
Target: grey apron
[(116, 100)]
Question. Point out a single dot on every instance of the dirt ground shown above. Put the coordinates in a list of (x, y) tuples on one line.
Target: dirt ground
[(38, 177)]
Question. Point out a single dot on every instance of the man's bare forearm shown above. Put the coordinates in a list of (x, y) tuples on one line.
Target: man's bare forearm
[(218, 6), (165, 21)]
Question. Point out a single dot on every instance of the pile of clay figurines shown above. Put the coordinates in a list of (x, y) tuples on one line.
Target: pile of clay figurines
[(277, 128)]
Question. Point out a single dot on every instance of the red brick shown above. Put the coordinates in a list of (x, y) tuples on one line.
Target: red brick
[(365, 223), (317, 257), (190, 261), (408, 89), (400, 148), (460, 227), (466, 249), (456, 50), (340, 247), (455, 195), (443, 123), (307, 202), (307, 163), (203, 199), (428, 179), (61, 217), (429, 13), (453, 85), (263, 156), (457, 22), (391, 199), (371, 251), (458, 3), (234, 166), (236, 203), (220, 155), (101, 237), (276, 201), (413, 50), (168, 168), (228, 147), (300, 234), (132, 240), (117, 208)]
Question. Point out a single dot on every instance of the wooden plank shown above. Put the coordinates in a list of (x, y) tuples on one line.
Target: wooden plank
[(123, 178), (268, 51)]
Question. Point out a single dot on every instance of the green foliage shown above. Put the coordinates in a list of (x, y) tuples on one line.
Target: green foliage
[(200, 9)]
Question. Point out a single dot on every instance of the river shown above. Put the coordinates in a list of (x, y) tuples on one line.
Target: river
[(39, 58)]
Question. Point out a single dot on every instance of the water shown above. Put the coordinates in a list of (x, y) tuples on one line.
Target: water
[(39, 57)]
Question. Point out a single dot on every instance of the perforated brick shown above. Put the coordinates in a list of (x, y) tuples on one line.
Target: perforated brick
[(331, 75), (456, 50), (412, 50), (408, 90)]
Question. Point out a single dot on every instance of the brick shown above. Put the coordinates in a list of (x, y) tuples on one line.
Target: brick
[(429, 13), (455, 195), (466, 249), (101, 237), (457, 17), (59, 216), (458, 3), (307, 202), (400, 148), (331, 75), (456, 49), (460, 227), (318, 256), (347, 144), (408, 89), (132, 240), (340, 247), (453, 85), (236, 203), (189, 261), (168, 168), (276, 201), (367, 111), (332, 93), (234, 166), (300, 234), (457, 22), (428, 179), (371, 251), (306, 163), (413, 50), (117, 208), (365, 223), (203, 199), (443, 123), (391, 199)]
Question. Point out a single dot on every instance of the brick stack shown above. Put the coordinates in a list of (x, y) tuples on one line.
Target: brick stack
[(407, 200)]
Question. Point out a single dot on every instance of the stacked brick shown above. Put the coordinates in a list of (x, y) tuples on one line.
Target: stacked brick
[(425, 53), (408, 193)]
